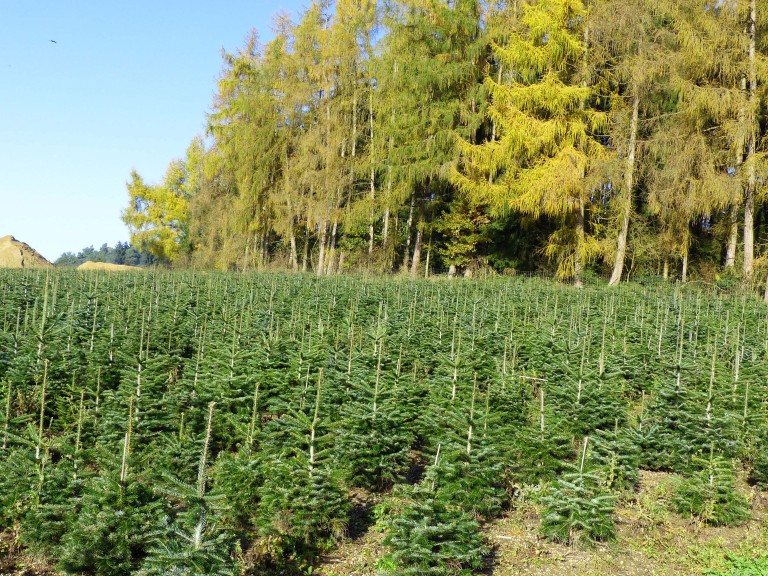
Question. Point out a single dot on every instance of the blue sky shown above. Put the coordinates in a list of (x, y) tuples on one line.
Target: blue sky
[(126, 85)]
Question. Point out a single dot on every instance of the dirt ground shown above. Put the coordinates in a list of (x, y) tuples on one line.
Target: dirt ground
[(16, 254), (652, 541), (105, 266)]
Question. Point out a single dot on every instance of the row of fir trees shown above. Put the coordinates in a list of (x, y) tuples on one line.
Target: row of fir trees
[(563, 136)]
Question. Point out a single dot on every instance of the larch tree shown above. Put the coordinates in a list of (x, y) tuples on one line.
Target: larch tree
[(703, 178), (544, 156), (157, 214), (632, 41), (244, 123)]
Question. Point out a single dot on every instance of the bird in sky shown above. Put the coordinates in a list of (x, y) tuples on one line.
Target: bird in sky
[(54, 41)]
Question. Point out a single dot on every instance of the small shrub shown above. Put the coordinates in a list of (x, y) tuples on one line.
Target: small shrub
[(711, 496), (428, 534), (578, 509)]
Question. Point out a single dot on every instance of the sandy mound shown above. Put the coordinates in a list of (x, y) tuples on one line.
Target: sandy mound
[(15, 254), (104, 266)]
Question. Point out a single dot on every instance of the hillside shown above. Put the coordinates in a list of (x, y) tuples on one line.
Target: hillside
[(278, 424), (16, 254)]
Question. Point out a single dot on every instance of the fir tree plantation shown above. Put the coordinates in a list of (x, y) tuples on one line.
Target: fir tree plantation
[(201, 423), (566, 137)]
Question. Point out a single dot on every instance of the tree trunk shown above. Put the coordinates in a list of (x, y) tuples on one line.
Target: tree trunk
[(370, 233), (263, 250), (305, 260), (684, 277), (373, 174), (733, 237), (294, 259), (765, 294), (321, 256), (332, 250), (246, 255), (749, 200), (408, 225), (416, 262), (629, 182), (665, 270), (385, 230), (578, 264)]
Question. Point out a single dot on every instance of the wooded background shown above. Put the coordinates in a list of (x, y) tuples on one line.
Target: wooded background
[(553, 136)]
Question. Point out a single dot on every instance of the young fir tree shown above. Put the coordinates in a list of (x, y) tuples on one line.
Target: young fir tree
[(710, 494), (191, 542), (578, 508), (302, 506), (373, 440), (432, 527)]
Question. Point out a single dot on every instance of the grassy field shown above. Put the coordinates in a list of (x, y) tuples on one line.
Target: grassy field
[(194, 423)]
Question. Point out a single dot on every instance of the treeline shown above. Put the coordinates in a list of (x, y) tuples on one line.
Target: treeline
[(559, 136), (122, 253)]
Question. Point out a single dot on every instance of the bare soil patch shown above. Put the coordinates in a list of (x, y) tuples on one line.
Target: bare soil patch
[(652, 541), (16, 254), (105, 266)]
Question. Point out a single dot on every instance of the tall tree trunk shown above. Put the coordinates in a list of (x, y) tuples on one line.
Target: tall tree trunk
[(321, 256), (372, 175), (578, 263), (749, 199), (765, 294), (385, 229), (629, 182), (684, 277), (416, 262), (332, 250), (733, 214), (305, 260), (263, 246), (408, 225), (733, 235), (294, 256), (246, 255)]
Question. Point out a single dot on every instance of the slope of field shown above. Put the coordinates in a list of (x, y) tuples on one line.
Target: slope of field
[(652, 541), (285, 424)]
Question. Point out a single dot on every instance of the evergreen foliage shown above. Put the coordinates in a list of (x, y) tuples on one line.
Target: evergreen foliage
[(447, 399), (429, 535), (710, 495), (578, 508)]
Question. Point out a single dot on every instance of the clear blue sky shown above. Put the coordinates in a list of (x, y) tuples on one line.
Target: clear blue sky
[(126, 85)]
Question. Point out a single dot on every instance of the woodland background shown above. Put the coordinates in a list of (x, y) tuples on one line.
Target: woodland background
[(566, 137)]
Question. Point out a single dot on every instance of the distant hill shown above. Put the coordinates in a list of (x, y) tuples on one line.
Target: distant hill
[(16, 254)]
